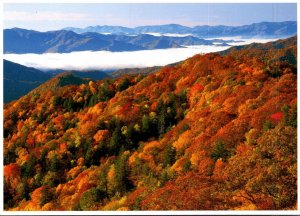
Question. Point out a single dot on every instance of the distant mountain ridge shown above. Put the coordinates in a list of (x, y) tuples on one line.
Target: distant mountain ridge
[(266, 29), (21, 41), (28, 41), (118, 38)]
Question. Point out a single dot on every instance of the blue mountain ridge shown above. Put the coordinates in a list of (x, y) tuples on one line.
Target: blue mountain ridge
[(262, 29), (95, 38)]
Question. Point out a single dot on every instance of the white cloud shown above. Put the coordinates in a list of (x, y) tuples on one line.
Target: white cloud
[(239, 40), (105, 60), (251, 40), (167, 34), (44, 16)]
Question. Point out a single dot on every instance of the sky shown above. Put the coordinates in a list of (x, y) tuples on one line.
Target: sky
[(46, 16)]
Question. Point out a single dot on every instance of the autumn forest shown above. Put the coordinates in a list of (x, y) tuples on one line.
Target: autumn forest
[(213, 132)]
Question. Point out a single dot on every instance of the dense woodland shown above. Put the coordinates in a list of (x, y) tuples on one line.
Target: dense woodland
[(214, 132)]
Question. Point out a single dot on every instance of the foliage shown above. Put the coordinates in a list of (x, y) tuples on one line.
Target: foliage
[(210, 133), (219, 151), (90, 199)]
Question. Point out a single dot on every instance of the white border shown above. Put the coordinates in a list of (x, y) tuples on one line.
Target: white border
[(229, 212)]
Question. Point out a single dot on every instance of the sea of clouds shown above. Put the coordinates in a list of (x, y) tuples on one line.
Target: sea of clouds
[(106, 60)]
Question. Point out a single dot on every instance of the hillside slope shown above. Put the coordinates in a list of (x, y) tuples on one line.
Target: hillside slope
[(135, 71), (19, 80), (214, 132)]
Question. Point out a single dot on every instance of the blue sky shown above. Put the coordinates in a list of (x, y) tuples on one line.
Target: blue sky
[(47, 16)]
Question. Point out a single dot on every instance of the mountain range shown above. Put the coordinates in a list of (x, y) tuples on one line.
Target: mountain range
[(262, 29), (95, 38), (62, 41)]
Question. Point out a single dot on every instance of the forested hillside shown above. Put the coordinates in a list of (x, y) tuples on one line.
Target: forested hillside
[(19, 79), (214, 132)]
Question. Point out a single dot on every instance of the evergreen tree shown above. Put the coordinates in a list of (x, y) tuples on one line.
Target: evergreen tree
[(219, 151), (54, 164), (121, 175), (103, 186), (38, 179), (93, 100), (169, 155), (46, 197), (101, 125), (56, 101), (187, 166), (145, 125), (23, 190), (293, 117), (51, 128), (290, 117), (90, 198), (164, 177), (268, 125), (115, 141), (29, 167), (113, 123), (42, 160), (162, 121), (88, 159), (40, 118), (124, 84), (69, 104)]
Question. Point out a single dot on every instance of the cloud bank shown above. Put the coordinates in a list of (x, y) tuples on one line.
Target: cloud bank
[(167, 34), (106, 60)]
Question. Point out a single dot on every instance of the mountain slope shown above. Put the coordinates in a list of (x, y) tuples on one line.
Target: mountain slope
[(214, 132), (61, 80), (282, 50), (94, 75), (19, 80), (135, 71)]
